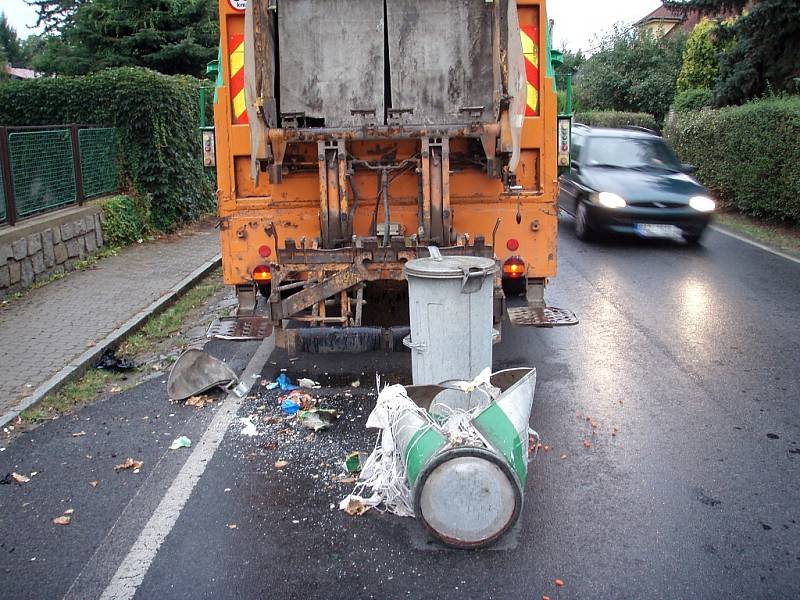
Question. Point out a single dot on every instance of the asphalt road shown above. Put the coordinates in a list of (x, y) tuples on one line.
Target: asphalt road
[(689, 355)]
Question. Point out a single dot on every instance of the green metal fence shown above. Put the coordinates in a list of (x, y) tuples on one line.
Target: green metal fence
[(42, 170), (46, 168), (98, 149)]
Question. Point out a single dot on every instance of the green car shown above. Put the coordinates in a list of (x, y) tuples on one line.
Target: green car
[(629, 181)]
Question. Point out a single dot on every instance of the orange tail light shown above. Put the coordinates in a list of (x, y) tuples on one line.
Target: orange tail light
[(262, 273), (514, 267)]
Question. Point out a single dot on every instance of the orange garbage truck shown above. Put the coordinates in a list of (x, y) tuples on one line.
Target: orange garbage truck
[(351, 135)]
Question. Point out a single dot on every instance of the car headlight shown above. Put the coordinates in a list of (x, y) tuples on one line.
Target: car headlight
[(611, 200), (702, 203)]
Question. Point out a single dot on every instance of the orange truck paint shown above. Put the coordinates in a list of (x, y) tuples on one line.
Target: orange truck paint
[(477, 201)]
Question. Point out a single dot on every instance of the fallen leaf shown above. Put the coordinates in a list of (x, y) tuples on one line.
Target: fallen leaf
[(345, 479), (546, 448), (20, 478), (198, 401), (79, 434), (281, 464), (545, 597), (231, 525), (563, 456), (94, 484), (587, 444), (559, 583), (355, 507), (130, 464), (69, 511), (62, 520), (115, 389)]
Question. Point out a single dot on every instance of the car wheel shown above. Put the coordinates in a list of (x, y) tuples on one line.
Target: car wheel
[(583, 228), (693, 239)]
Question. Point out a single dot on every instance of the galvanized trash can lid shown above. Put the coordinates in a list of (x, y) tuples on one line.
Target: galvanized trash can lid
[(450, 267)]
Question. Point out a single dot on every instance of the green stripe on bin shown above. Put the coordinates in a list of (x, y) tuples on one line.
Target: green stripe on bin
[(425, 443), (495, 426)]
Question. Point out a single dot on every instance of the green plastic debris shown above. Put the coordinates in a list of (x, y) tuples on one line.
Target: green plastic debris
[(352, 462), (181, 442)]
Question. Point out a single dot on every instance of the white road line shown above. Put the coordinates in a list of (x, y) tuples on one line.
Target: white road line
[(755, 244), (134, 567)]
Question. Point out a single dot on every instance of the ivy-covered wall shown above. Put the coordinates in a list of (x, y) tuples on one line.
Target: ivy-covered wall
[(156, 117)]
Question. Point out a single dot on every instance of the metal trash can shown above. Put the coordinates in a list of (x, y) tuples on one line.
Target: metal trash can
[(467, 495), (450, 305)]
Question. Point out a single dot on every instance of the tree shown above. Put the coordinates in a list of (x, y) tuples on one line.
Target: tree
[(700, 68), (9, 43), (54, 14), (633, 71), (762, 47), (170, 36)]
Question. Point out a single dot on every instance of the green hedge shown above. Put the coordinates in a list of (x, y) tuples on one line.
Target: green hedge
[(748, 155), (125, 219), (693, 100), (610, 118), (156, 117)]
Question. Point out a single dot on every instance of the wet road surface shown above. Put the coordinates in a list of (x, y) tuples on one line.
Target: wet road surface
[(689, 356)]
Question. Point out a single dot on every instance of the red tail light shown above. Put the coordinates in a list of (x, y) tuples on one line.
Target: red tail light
[(264, 251), (512, 245), (262, 273), (514, 267)]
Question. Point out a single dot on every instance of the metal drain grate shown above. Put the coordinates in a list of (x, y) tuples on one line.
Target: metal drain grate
[(549, 316), (240, 328)]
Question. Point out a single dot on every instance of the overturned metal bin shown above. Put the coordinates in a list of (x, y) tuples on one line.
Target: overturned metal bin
[(468, 493)]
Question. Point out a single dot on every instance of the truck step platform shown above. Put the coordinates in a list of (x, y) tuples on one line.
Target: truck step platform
[(240, 328), (546, 316)]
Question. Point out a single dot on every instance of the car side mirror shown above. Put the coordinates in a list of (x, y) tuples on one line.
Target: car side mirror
[(688, 169), (575, 166)]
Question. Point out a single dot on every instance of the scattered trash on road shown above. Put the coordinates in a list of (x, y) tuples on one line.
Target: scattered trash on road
[(355, 384), (14, 478), (290, 407), (232, 525), (181, 442), (64, 519), (94, 484), (109, 361), (79, 434), (281, 464), (355, 506), (130, 464), (249, 428), (308, 383), (559, 583), (285, 383), (317, 418), (353, 461)]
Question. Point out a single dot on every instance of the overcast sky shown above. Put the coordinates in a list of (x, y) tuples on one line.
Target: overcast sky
[(577, 22)]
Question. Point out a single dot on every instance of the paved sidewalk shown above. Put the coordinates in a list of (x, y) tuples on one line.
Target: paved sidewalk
[(51, 327)]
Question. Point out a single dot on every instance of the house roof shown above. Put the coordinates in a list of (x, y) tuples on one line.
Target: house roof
[(686, 22), (21, 73)]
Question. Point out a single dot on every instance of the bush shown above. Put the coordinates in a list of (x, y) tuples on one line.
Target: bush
[(610, 118), (693, 100), (156, 120), (700, 64), (125, 219), (748, 155)]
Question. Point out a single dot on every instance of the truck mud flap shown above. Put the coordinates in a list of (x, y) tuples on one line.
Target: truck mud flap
[(546, 316)]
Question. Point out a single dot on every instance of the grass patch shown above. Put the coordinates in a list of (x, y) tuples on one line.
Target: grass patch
[(71, 396), (780, 237), (170, 321)]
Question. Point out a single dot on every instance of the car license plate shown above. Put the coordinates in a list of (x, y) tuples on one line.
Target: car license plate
[(657, 230)]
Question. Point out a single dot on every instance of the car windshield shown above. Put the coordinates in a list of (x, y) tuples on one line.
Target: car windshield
[(630, 153)]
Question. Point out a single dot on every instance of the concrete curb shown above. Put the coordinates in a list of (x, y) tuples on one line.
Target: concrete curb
[(80, 365)]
